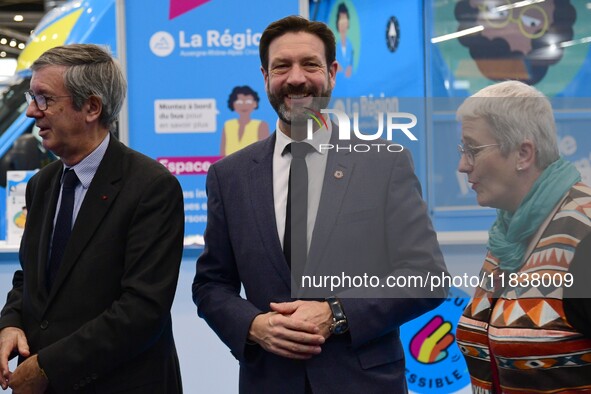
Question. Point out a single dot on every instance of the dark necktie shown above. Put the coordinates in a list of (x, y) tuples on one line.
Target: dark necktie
[(295, 241), (63, 226)]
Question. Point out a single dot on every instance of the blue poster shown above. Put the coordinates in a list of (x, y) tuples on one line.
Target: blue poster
[(380, 51), (196, 92)]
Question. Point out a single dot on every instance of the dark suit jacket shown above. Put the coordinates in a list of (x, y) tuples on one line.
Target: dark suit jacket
[(105, 326), (376, 204), (577, 296)]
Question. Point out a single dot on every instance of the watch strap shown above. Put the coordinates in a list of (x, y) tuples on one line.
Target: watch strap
[(336, 308), (339, 324)]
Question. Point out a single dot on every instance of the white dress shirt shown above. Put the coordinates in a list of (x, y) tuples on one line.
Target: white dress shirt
[(316, 162)]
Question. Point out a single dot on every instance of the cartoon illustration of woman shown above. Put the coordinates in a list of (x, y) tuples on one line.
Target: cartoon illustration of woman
[(344, 46), (243, 131)]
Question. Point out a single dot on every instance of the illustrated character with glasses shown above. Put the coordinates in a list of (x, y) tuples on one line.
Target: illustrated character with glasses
[(520, 333), (243, 131), (519, 40)]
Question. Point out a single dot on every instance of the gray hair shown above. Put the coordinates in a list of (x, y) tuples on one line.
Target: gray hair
[(515, 112), (91, 71)]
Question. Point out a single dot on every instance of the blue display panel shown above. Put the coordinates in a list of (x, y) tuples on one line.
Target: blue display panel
[(380, 49), (185, 59)]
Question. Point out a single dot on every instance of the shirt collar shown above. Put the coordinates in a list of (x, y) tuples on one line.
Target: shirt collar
[(319, 137), (86, 169)]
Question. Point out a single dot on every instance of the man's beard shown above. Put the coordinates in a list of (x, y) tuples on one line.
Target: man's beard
[(298, 114)]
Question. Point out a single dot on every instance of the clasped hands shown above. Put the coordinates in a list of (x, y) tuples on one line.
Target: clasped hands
[(27, 378), (294, 330)]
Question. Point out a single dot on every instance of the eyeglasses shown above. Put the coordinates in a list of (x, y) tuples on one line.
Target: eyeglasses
[(532, 20), (40, 100), (471, 151), (247, 101)]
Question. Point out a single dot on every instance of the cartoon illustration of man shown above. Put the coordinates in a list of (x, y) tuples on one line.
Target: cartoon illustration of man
[(519, 40), (243, 131)]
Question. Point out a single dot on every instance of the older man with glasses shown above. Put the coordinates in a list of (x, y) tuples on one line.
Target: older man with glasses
[(90, 309)]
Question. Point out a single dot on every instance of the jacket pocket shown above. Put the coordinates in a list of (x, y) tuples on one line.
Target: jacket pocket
[(382, 351)]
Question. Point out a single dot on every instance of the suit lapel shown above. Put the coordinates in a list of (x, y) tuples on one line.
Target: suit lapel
[(103, 190), (263, 206), (339, 169)]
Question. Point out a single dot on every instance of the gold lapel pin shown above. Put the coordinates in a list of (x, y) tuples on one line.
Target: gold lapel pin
[(339, 174)]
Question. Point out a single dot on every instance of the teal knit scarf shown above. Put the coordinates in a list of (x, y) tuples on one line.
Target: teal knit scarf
[(509, 235)]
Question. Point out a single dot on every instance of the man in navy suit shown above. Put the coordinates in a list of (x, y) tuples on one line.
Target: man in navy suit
[(365, 214), (97, 318)]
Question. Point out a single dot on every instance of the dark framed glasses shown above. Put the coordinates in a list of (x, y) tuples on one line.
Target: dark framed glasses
[(40, 100)]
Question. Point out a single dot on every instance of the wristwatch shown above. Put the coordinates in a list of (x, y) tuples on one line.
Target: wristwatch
[(339, 320)]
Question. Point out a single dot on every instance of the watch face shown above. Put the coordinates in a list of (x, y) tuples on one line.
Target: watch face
[(340, 327)]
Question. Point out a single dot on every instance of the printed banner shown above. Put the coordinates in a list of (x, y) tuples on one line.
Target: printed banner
[(380, 55), (195, 86)]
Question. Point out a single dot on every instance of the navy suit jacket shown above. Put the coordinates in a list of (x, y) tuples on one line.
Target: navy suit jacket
[(376, 204), (106, 325)]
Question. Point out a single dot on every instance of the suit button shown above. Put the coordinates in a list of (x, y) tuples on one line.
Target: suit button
[(88, 380), (94, 376), (76, 387), (82, 383), (44, 324)]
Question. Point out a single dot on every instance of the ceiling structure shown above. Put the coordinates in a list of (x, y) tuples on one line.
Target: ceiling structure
[(17, 19)]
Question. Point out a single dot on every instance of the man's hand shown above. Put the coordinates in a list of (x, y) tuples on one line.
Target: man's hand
[(11, 339), (286, 336), (315, 312), (28, 378)]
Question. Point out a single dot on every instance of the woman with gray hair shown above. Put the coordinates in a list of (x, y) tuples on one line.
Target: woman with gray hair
[(514, 333)]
